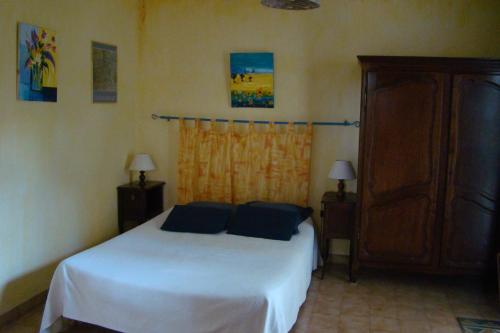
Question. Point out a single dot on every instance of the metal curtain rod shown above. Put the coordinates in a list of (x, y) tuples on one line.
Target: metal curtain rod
[(220, 120)]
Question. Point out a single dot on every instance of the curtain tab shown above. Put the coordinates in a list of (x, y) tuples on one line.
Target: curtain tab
[(309, 128), (251, 125)]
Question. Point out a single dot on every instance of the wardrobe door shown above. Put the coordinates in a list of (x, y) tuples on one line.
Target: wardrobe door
[(401, 147), (473, 189)]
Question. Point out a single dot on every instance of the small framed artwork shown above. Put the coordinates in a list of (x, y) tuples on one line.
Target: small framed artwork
[(36, 64), (104, 73), (252, 80)]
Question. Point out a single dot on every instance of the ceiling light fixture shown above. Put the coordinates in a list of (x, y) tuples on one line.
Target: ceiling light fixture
[(291, 4)]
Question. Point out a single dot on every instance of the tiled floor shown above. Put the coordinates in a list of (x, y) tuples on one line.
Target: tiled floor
[(379, 302)]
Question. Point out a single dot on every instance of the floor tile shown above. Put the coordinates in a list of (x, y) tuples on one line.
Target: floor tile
[(384, 311), (381, 324), (414, 326), (445, 329), (323, 323), (491, 312), (410, 313), (441, 318), (352, 323)]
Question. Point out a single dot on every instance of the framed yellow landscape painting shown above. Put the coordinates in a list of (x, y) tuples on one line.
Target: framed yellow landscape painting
[(252, 80)]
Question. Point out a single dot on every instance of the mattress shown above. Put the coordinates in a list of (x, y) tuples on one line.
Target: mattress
[(149, 280)]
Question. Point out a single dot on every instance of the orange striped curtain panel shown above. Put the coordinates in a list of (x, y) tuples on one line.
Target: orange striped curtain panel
[(229, 165)]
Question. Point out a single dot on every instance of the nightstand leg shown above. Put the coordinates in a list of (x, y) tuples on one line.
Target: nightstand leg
[(120, 227), (326, 252), (352, 275)]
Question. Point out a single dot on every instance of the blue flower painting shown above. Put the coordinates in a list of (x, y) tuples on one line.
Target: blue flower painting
[(252, 80), (36, 65)]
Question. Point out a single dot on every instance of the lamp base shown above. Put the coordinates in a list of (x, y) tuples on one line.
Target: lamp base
[(142, 179), (340, 191)]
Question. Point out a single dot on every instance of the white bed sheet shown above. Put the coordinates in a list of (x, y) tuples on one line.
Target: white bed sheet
[(149, 280)]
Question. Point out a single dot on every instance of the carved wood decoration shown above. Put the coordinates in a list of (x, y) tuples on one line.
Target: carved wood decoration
[(429, 164), (402, 145), (474, 168)]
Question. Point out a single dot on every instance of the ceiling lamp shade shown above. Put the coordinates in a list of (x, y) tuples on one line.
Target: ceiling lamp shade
[(291, 4)]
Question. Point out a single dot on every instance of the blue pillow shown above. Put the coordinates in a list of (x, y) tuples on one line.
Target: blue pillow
[(213, 204), (200, 220), (263, 222), (301, 213)]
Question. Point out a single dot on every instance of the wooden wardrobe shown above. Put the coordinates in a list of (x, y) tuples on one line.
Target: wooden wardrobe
[(429, 164)]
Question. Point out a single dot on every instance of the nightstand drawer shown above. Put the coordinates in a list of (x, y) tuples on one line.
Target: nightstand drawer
[(131, 204), (137, 204), (338, 218)]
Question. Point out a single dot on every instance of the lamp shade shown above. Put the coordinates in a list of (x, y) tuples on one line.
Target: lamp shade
[(342, 170), (142, 162)]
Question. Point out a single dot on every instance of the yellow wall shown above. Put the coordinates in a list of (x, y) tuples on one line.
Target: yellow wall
[(61, 162), (186, 46)]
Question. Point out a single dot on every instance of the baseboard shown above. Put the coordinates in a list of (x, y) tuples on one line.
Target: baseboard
[(23, 308)]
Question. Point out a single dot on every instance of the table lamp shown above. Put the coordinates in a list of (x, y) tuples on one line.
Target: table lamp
[(341, 170), (142, 163)]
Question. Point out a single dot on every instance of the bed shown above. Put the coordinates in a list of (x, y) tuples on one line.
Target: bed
[(149, 280)]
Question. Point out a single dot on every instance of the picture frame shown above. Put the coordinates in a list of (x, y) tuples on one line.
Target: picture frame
[(36, 63), (252, 80), (104, 73)]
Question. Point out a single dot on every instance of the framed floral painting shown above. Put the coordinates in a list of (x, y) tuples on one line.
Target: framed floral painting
[(36, 64)]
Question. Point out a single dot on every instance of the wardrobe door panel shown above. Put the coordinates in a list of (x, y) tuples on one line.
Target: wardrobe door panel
[(402, 140), (473, 189)]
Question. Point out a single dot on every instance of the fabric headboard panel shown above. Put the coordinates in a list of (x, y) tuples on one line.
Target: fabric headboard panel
[(226, 165)]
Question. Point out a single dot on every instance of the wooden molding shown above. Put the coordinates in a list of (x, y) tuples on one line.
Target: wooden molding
[(23, 308)]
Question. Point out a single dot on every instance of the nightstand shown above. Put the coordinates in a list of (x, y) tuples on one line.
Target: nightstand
[(137, 204), (337, 221)]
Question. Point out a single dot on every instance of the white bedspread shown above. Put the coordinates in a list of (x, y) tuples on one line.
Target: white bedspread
[(149, 280)]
